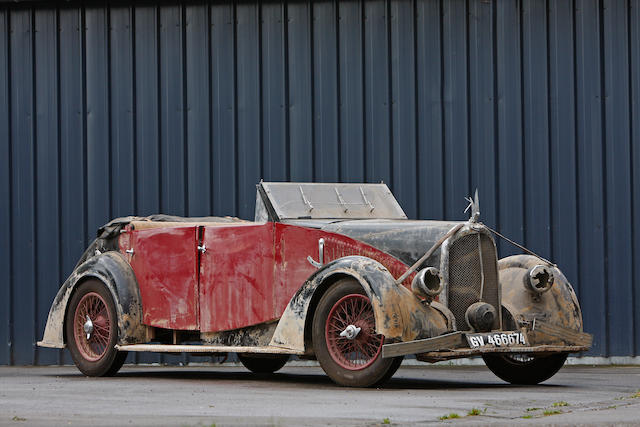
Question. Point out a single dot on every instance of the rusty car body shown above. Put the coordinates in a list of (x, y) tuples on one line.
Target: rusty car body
[(333, 272)]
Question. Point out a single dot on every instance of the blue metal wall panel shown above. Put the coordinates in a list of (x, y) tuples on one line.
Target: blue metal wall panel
[(456, 105), (562, 133), (97, 123), (634, 51), (403, 105), (172, 112), (482, 112), (47, 261), (224, 109), (351, 76), (123, 143), (377, 90), (325, 92), (182, 108), (509, 89), (300, 97), (590, 173), (535, 127), (618, 174), (274, 101), (249, 155), (562, 137), (198, 130), (430, 191), (22, 200), (5, 192), (146, 110), (73, 156)]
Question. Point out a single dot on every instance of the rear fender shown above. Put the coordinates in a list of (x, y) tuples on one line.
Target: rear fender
[(112, 269), (399, 315)]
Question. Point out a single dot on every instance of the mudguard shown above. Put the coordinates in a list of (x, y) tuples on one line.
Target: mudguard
[(113, 270), (558, 306), (399, 315)]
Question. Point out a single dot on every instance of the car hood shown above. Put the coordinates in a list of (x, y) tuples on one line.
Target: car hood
[(406, 240)]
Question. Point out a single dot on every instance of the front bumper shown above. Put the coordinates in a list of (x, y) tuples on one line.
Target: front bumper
[(542, 338)]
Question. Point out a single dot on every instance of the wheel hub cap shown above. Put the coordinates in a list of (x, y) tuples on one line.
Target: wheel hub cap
[(350, 332), (88, 327)]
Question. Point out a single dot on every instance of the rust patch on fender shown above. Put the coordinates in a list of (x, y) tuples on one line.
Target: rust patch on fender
[(558, 306), (399, 315)]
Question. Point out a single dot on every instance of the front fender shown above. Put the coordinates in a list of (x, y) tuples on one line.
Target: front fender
[(558, 306), (115, 272), (399, 315)]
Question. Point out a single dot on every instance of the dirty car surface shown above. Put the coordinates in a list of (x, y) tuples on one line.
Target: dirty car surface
[(333, 272)]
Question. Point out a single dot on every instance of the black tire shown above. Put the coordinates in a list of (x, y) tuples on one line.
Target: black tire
[(524, 369), (375, 370), (93, 358), (397, 361), (263, 364)]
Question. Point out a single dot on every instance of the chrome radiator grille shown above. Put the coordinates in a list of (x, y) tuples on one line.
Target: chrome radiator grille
[(465, 275)]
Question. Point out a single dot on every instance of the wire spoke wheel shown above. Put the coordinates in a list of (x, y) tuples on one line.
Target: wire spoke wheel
[(92, 326), (362, 350), (91, 330), (344, 336)]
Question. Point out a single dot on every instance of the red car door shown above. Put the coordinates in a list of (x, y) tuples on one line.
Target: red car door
[(165, 263), (292, 246), (236, 276)]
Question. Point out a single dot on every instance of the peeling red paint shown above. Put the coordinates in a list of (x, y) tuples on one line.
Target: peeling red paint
[(164, 262), (236, 276)]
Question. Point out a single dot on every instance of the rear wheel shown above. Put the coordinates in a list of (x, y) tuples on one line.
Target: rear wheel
[(263, 364), (344, 338), (91, 327), (524, 368)]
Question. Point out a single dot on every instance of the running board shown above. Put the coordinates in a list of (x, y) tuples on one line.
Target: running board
[(175, 348)]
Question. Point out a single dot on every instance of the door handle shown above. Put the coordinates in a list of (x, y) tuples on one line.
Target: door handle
[(320, 262)]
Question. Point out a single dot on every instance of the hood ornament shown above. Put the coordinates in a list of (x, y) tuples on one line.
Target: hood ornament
[(474, 206)]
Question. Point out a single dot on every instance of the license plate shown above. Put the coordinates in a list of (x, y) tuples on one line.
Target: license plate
[(496, 339)]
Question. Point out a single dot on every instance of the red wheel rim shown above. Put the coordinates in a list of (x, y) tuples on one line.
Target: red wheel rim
[(94, 308), (359, 352)]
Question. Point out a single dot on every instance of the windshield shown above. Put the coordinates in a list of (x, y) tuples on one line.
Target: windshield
[(292, 200)]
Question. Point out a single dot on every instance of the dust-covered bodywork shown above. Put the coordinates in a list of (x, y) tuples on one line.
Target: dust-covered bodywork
[(334, 272)]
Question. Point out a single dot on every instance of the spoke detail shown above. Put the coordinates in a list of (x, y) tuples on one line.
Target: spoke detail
[(359, 352), (93, 306)]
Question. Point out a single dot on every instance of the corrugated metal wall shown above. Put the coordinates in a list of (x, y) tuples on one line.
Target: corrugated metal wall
[(182, 107)]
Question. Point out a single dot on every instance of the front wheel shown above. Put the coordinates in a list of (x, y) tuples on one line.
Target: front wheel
[(344, 338), (91, 326), (524, 368)]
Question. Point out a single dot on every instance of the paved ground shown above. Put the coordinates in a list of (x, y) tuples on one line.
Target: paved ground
[(204, 396)]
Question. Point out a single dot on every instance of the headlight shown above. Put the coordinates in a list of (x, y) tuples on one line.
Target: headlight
[(539, 279), (427, 283)]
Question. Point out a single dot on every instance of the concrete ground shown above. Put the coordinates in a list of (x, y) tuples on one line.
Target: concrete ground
[(230, 395)]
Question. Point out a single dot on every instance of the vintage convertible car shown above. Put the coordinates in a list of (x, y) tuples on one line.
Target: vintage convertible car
[(333, 272)]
